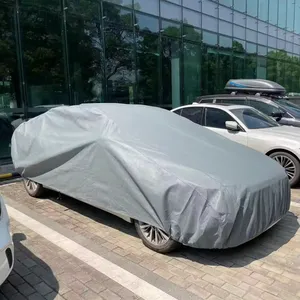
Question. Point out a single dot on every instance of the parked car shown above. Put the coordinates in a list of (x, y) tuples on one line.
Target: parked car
[(250, 127), (264, 95), (177, 182), (6, 244)]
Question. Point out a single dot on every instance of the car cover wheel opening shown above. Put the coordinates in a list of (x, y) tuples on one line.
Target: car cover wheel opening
[(156, 239), (290, 164), (33, 189), (31, 186), (153, 234)]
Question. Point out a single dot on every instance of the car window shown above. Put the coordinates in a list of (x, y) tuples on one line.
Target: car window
[(177, 111), (254, 119), (266, 108), (193, 113), (237, 101), (216, 118)]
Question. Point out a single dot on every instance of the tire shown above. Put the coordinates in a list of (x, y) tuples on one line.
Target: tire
[(166, 244), (33, 189), (291, 165)]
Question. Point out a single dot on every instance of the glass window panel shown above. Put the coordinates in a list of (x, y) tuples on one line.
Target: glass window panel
[(251, 48), (119, 63), (238, 67), (262, 39), (10, 94), (238, 45), (282, 13), (195, 5), (239, 19), (289, 47), (225, 28), (216, 118), (43, 57), (170, 11), (51, 4), (210, 8), (170, 72), (296, 49), (209, 71), (263, 10), (273, 30), (146, 23), (225, 13), (210, 38), (262, 27), (117, 15), (261, 67), (192, 72), (209, 23), (150, 7), (281, 33), (148, 62), (88, 9), (127, 3), (224, 2), (240, 5), (239, 32), (175, 1), (251, 23), (290, 37), (272, 42), (191, 17), (192, 34), (251, 36), (297, 17), (171, 28), (86, 61), (225, 42), (225, 68), (297, 40), (280, 44), (273, 12), (252, 7), (262, 50), (290, 15)]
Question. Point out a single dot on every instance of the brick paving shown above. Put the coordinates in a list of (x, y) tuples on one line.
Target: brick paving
[(266, 268)]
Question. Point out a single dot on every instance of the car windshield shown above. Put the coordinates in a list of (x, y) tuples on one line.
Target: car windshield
[(253, 119), (291, 107)]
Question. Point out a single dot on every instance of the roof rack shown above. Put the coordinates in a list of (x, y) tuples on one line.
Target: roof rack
[(255, 86)]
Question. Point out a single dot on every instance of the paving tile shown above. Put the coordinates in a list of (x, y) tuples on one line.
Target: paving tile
[(108, 295), (42, 288)]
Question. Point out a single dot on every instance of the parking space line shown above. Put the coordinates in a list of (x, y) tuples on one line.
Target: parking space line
[(128, 280)]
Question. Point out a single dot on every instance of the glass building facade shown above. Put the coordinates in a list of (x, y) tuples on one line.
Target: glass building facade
[(154, 52)]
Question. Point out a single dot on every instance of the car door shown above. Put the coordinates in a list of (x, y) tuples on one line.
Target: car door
[(215, 119)]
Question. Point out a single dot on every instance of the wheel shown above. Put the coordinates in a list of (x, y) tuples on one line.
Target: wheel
[(290, 164), (155, 238), (33, 189)]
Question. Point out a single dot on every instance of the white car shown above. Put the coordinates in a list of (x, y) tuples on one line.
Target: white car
[(250, 127), (6, 244)]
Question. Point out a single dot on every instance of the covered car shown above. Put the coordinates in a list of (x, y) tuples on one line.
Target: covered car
[(179, 183)]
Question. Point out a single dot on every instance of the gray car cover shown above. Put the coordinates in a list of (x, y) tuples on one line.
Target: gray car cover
[(154, 166)]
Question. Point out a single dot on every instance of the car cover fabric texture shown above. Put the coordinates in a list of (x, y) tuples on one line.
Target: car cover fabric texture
[(154, 166)]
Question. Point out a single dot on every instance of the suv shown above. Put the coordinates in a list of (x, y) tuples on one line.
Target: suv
[(264, 95)]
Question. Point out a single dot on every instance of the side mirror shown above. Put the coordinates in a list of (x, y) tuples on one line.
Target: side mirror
[(232, 126), (277, 116)]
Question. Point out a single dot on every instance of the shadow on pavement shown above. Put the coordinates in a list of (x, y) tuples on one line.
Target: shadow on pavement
[(31, 276), (262, 246)]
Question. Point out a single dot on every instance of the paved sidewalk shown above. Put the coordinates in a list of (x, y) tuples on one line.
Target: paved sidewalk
[(267, 268)]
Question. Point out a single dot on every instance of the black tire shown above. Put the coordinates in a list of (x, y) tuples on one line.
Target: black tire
[(33, 189), (165, 247), (296, 178)]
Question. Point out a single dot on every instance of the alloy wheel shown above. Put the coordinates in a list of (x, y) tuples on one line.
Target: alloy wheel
[(153, 234), (30, 185), (287, 164)]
